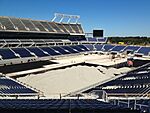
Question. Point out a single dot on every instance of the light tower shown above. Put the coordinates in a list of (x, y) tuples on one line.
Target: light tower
[(65, 16)]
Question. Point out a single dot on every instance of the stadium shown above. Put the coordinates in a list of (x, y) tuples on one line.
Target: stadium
[(55, 66)]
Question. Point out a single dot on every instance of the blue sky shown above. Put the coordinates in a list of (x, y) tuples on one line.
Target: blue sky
[(116, 17)]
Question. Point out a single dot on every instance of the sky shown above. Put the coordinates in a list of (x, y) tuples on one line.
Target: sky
[(115, 17)]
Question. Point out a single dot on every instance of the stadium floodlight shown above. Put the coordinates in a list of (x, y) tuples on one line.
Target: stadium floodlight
[(63, 16)]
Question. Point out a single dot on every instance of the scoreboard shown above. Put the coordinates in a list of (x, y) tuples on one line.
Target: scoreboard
[(98, 33)]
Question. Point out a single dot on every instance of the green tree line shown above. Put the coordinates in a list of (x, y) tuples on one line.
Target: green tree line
[(130, 40)]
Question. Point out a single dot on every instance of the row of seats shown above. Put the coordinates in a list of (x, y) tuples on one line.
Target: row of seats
[(143, 69), (59, 104), (10, 53), (129, 83), (11, 87), (18, 24), (97, 47), (121, 48), (124, 91), (134, 83)]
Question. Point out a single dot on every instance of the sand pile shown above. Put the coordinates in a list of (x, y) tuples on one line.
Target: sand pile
[(65, 80)]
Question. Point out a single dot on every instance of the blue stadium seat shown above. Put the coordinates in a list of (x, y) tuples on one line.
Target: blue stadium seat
[(102, 40), (73, 39), (9, 87), (22, 52), (117, 49), (89, 47), (144, 51), (90, 39), (131, 48), (83, 47), (38, 52), (71, 50), (78, 48), (98, 47), (61, 50), (107, 47), (7, 54), (50, 51)]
